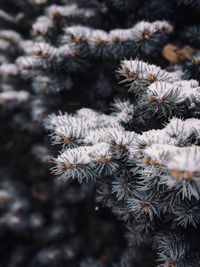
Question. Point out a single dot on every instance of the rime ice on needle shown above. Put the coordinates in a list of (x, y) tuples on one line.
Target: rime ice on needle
[(143, 176)]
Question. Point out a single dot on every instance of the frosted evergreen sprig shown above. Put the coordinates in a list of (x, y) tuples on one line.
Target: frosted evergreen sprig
[(13, 98), (156, 148), (160, 92), (141, 177), (56, 16), (139, 74), (51, 65), (69, 12), (143, 37), (172, 250)]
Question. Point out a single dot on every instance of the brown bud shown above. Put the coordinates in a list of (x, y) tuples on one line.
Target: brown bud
[(116, 40), (146, 209), (159, 100), (170, 263), (42, 53), (150, 98), (68, 165), (56, 16), (152, 162), (150, 77), (67, 139), (78, 165), (169, 52), (60, 166), (189, 175), (119, 146), (144, 34), (176, 175), (102, 160), (100, 41), (132, 75), (146, 160), (125, 70), (196, 61), (176, 54)]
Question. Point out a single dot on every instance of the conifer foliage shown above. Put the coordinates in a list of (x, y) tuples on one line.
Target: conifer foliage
[(148, 178), (116, 85)]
